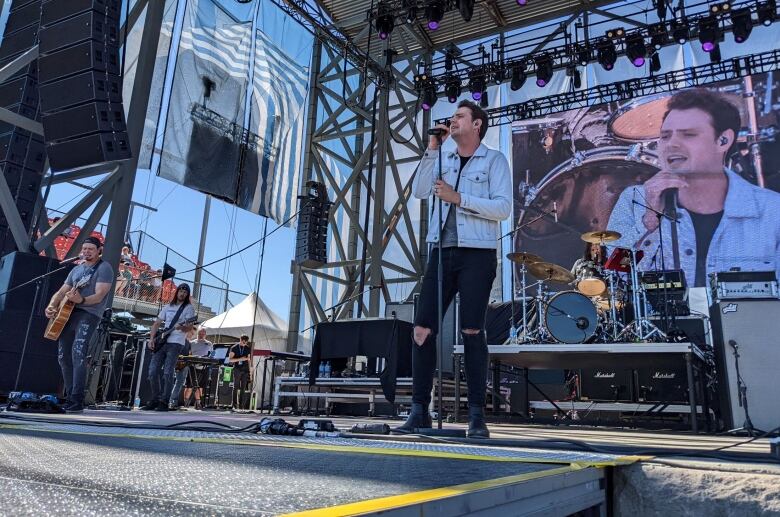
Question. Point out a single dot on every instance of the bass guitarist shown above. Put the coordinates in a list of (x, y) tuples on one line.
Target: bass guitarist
[(177, 317), (96, 277)]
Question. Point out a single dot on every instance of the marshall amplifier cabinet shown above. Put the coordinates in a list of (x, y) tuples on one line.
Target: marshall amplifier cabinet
[(607, 385), (665, 380), (741, 285)]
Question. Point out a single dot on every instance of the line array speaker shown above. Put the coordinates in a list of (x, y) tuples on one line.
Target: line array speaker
[(81, 88)]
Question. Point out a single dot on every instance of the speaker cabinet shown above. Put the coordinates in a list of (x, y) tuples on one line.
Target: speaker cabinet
[(607, 385), (753, 327)]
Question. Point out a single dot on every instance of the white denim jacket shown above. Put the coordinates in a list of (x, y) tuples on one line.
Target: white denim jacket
[(485, 194), (747, 237)]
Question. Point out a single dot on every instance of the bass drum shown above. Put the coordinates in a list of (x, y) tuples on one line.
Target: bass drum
[(570, 317), (585, 189)]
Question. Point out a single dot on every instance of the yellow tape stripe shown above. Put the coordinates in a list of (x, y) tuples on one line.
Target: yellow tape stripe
[(345, 448), (423, 496)]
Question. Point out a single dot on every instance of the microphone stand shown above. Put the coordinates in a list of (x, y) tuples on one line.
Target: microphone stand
[(440, 301), (38, 280), (660, 216)]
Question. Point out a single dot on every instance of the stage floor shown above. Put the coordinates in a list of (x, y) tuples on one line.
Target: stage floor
[(132, 463)]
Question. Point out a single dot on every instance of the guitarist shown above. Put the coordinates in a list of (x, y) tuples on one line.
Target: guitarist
[(96, 277), (178, 316)]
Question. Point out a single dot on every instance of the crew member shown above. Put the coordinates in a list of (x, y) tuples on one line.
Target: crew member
[(176, 316), (239, 358), (723, 220), (475, 195), (87, 285)]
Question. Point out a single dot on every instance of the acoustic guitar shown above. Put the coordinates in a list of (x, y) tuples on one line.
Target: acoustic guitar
[(57, 323)]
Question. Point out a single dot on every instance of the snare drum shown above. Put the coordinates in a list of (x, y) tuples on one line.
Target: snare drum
[(570, 317), (590, 282)]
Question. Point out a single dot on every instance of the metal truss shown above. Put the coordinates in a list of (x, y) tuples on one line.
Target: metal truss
[(116, 185), (729, 70), (372, 132)]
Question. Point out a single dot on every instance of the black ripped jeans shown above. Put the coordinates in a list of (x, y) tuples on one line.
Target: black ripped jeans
[(468, 272)]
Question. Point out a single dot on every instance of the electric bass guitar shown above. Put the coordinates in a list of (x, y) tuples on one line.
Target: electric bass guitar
[(57, 323), (161, 337)]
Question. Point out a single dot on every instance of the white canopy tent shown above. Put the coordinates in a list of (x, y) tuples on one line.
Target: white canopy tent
[(270, 331)]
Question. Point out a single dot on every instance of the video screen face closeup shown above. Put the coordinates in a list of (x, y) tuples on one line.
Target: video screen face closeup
[(711, 152)]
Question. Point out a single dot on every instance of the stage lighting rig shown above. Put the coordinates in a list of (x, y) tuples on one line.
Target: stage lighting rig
[(522, 2), (452, 89), (741, 24), (660, 8), (583, 55), (709, 33), (659, 35), (636, 50), (429, 97), (655, 63), (681, 31), (483, 100), (477, 83), (576, 76), (411, 10), (606, 54), (616, 33), (715, 54), (720, 8), (767, 12), (450, 53), (544, 70), (434, 12), (385, 22), (518, 76), (466, 8)]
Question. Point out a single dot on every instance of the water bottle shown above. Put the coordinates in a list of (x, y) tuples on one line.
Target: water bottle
[(327, 369), (137, 403), (321, 373), (512, 334)]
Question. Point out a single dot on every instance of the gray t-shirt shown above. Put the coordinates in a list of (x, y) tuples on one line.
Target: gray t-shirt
[(449, 233), (166, 315), (104, 274), (201, 347)]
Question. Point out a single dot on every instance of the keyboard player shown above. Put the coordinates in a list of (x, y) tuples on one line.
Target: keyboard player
[(200, 347)]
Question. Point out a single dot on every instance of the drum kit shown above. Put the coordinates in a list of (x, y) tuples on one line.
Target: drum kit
[(594, 305)]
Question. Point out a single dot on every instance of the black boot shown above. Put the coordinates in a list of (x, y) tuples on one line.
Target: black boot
[(477, 427), (419, 418)]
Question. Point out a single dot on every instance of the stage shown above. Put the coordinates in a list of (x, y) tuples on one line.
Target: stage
[(123, 462)]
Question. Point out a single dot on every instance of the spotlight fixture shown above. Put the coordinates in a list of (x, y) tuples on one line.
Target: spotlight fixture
[(636, 50), (466, 8), (544, 70), (452, 89), (606, 54), (709, 33), (680, 31), (741, 24), (720, 8), (660, 9), (655, 63), (616, 33), (477, 83), (583, 55), (434, 12), (522, 2), (715, 54), (767, 12), (429, 97), (659, 35), (518, 76), (385, 22), (411, 10), (483, 100), (499, 74)]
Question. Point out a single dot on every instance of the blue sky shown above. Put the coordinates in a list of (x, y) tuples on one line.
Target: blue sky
[(178, 220)]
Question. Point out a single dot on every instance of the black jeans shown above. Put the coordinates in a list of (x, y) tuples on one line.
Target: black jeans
[(469, 272), (72, 350), (240, 387), (162, 371)]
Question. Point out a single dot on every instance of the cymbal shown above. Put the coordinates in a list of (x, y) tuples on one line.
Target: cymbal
[(550, 272), (600, 237), (521, 257)]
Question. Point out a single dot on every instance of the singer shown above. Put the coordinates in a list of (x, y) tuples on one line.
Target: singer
[(95, 276), (723, 220), (474, 194)]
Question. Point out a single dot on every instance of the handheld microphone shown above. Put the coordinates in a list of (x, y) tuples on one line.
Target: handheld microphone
[(555, 210), (72, 259), (732, 343), (435, 131)]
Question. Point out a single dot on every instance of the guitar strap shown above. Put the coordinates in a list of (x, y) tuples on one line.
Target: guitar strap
[(88, 273), (176, 316)]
